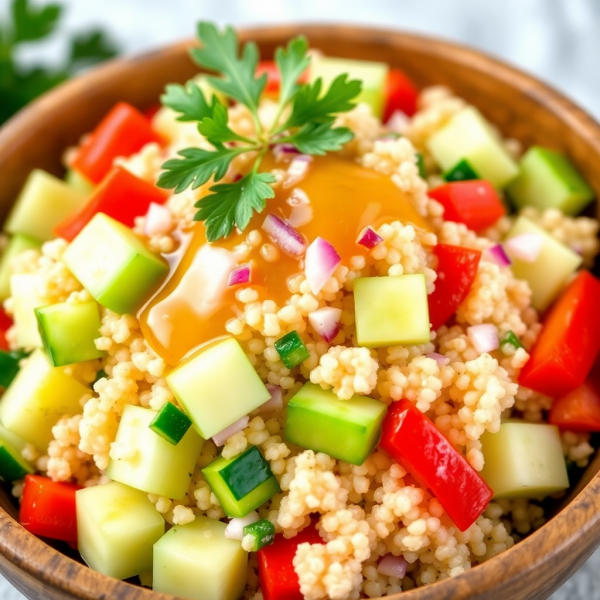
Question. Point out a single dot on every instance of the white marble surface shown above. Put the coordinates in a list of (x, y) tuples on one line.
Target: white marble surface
[(557, 40)]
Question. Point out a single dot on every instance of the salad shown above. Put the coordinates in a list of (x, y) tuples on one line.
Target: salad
[(301, 332)]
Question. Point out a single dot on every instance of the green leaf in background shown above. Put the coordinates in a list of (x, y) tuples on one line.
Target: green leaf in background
[(90, 47), (31, 23)]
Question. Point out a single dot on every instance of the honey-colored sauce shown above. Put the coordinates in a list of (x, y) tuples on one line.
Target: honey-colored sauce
[(195, 303)]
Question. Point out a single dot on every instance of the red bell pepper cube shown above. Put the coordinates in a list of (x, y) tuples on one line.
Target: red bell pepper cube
[(400, 94), (274, 77), (121, 195), (123, 132), (278, 580), (579, 410), (456, 272), (411, 439), (5, 324), (569, 342), (48, 508), (474, 203)]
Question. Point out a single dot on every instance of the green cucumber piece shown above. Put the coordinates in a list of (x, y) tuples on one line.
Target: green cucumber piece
[(37, 398), (510, 339), (373, 76), (12, 464), (113, 265), (242, 483), (291, 349), (25, 292), (468, 136), (78, 182), (263, 533), (461, 171), (548, 274), (196, 561), (68, 332), (524, 460), (9, 365), (548, 179), (157, 466), (217, 387), (44, 202), (171, 423), (117, 528), (344, 429), (18, 244), (391, 310)]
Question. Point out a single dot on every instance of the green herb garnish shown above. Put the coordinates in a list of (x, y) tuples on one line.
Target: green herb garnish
[(305, 118)]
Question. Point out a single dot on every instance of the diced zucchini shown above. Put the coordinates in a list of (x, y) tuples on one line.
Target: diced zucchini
[(548, 274), (12, 464), (217, 386), (468, 136), (345, 429), (548, 179), (113, 265), (25, 292), (373, 76), (18, 244), (43, 203), (391, 310), (156, 466), (9, 366), (68, 332), (524, 460), (171, 423), (242, 483), (510, 340), (117, 528), (77, 181), (291, 349), (196, 561), (38, 397), (262, 533), (462, 171)]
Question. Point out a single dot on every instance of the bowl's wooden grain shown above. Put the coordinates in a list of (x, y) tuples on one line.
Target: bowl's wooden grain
[(520, 105)]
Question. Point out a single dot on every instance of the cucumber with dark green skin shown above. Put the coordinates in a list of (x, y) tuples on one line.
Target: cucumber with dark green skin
[(12, 464), (171, 423), (9, 365), (462, 171)]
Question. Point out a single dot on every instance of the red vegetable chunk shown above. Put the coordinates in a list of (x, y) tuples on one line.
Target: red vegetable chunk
[(273, 76), (48, 508), (401, 94), (278, 579), (123, 132), (121, 195), (5, 325), (456, 271), (410, 438), (579, 410), (569, 342), (474, 203)]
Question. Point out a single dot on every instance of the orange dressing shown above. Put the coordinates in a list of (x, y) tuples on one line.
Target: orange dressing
[(195, 303)]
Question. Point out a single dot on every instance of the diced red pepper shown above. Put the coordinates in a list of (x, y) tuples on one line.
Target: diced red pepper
[(121, 195), (456, 272), (410, 438), (5, 324), (273, 76), (278, 580), (474, 203), (151, 111), (579, 410), (122, 132), (48, 508), (569, 341), (400, 93)]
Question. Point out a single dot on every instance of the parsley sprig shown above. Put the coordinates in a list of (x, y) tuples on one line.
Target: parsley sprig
[(304, 118)]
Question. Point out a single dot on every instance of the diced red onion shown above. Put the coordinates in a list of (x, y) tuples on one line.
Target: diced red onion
[(280, 150), (484, 337), (297, 170), (398, 122), (275, 402), (302, 211), (326, 321), (284, 235), (369, 238), (392, 566), (320, 263), (235, 527), (240, 275), (158, 220), (525, 247), (220, 438), (498, 255), (440, 359)]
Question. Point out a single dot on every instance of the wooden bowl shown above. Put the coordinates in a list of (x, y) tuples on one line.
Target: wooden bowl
[(521, 106)]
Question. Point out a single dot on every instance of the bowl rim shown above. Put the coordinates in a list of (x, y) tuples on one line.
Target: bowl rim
[(40, 561)]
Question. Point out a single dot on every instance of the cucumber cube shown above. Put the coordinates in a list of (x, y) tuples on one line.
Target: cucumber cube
[(9, 366), (68, 332), (345, 429), (25, 292), (548, 274), (113, 265), (462, 171), (38, 397), (262, 534), (117, 528), (525, 460), (196, 561), (78, 182), (157, 466), (373, 76), (549, 180), (468, 136), (12, 465), (171, 423), (18, 244), (391, 310), (242, 483), (291, 349), (44, 202), (217, 387)]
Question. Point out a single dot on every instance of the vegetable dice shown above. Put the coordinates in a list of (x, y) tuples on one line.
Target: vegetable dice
[(25, 292), (461, 171), (171, 423), (291, 349), (18, 244), (262, 533), (9, 365), (12, 464)]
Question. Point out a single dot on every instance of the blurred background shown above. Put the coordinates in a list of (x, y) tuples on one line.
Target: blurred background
[(556, 40)]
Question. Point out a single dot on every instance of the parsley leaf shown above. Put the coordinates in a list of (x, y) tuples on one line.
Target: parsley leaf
[(320, 138), (189, 100), (291, 62), (216, 130), (30, 23), (90, 47)]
